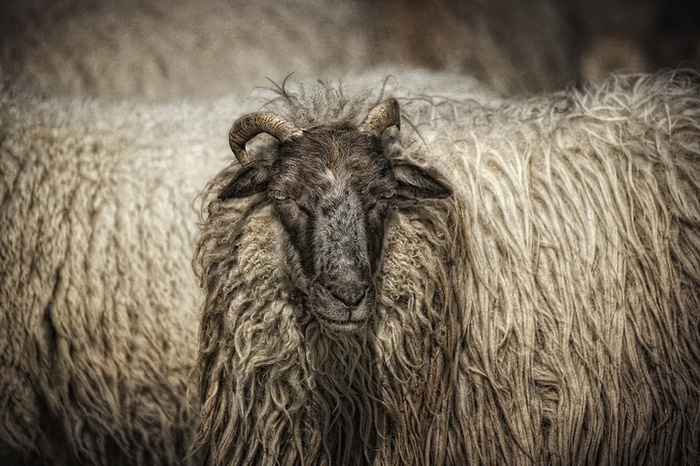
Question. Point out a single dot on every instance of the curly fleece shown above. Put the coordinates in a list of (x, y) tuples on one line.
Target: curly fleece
[(98, 302), (549, 312)]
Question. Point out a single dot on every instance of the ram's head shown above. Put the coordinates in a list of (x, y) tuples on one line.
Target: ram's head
[(331, 189)]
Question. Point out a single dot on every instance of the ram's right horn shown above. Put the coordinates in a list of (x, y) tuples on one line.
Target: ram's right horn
[(249, 126)]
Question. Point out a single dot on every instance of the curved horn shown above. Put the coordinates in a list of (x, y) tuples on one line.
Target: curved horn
[(382, 117), (248, 126)]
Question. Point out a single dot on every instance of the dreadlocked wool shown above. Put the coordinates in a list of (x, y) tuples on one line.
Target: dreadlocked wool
[(547, 313), (181, 48), (98, 301)]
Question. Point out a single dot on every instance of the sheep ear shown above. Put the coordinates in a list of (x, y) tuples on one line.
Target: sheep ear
[(251, 179), (415, 182)]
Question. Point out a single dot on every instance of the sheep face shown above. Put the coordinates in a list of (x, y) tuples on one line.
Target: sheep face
[(332, 190)]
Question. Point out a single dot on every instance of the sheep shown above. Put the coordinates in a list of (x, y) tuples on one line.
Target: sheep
[(162, 51), (455, 282), (98, 300)]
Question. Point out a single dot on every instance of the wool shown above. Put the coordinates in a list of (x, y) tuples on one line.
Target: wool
[(191, 49), (547, 312), (182, 49), (591, 257), (98, 302), (502, 43)]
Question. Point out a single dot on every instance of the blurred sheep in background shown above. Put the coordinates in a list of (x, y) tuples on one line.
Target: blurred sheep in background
[(159, 50)]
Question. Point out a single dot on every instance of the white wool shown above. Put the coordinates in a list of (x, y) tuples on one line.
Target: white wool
[(98, 301)]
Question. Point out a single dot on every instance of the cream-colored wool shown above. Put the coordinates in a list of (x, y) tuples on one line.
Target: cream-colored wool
[(98, 301), (188, 48), (180, 48), (513, 46), (547, 313)]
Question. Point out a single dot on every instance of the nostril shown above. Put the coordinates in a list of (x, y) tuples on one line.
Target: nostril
[(350, 298)]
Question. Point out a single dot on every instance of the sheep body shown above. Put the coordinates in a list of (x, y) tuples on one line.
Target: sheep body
[(548, 312), (183, 48), (501, 42), (187, 48), (98, 301)]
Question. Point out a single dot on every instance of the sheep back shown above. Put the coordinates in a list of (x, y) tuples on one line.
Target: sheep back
[(98, 301), (183, 48)]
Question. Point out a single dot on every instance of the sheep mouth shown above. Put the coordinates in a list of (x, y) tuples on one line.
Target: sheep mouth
[(338, 317), (347, 326)]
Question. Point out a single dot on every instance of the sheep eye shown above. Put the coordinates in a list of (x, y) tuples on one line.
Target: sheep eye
[(279, 195), (389, 194)]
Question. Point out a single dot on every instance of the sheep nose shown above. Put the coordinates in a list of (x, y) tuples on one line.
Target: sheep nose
[(350, 296)]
